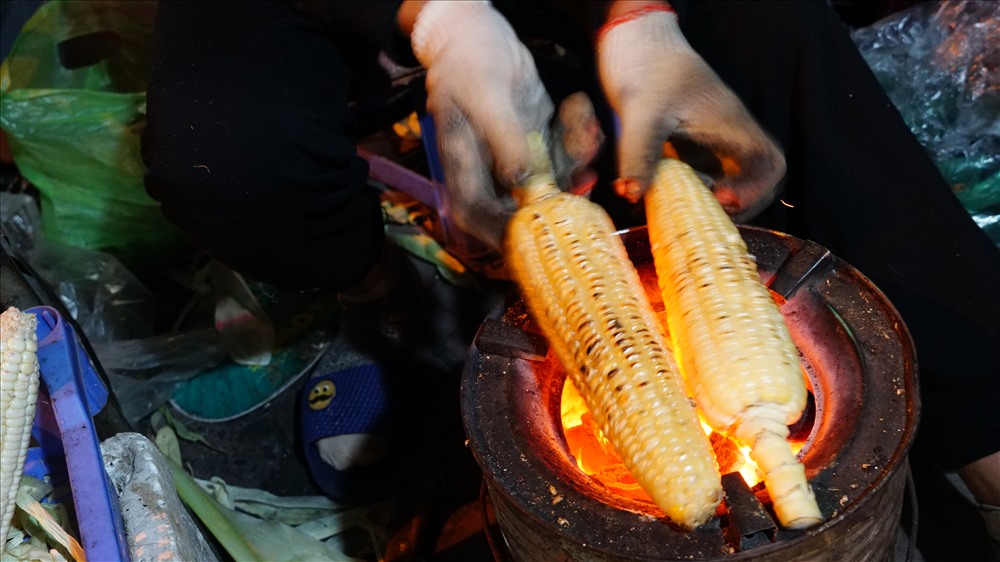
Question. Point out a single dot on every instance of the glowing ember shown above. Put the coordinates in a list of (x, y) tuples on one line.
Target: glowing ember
[(592, 451), (597, 458)]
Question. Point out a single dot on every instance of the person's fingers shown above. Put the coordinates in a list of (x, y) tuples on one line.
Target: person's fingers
[(503, 119), (746, 195), (747, 164), (576, 139), (640, 147), (471, 202)]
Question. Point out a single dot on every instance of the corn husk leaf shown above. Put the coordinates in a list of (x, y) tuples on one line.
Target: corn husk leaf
[(42, 525), (166, 441), (162, 417), (379, 536), (247, 538), (21, 547), (422, 245), (332, 525), (290, 510)]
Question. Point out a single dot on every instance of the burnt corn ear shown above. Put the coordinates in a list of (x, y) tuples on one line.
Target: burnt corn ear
[(586, 297)]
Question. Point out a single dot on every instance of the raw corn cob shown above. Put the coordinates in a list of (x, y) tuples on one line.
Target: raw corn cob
[(738, 359), (18, 392), (586, 297)]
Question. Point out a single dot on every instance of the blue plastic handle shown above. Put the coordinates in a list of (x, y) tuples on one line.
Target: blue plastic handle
[(64, 427)]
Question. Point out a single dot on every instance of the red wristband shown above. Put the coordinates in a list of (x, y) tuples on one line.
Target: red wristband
[(633, 15)]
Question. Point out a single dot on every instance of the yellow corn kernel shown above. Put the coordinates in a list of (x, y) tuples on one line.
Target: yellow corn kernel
[(18, 392), (586, 297), (734, 349)]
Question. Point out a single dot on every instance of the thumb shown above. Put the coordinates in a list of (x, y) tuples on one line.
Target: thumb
[(576, 138), (640, 147), (502, 130), (469, 200), (504, 125)]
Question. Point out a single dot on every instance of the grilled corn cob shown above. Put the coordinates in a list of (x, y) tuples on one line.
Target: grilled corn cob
[(735, 351), (18, 391), (587, 299)]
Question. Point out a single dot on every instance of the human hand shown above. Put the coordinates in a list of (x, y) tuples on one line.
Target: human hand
[(661, 89), (485, 96)]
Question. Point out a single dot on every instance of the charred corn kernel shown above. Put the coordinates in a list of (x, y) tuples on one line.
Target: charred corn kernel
[(734, 348), (18, 391), (587, 299)]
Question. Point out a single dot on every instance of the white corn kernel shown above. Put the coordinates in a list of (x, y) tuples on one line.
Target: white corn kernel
[(18, 393), (737, 357)]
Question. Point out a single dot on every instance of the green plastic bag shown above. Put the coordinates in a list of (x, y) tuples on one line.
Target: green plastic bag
[(72, 103)]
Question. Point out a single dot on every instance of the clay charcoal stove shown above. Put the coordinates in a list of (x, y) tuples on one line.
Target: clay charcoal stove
[(853, 438)]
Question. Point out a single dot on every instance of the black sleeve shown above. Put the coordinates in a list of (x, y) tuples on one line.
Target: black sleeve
[(860, 184), (571, 23), (371, 21), (249, 144)]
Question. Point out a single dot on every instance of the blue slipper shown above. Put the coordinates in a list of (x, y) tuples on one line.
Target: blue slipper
[(351, 400)]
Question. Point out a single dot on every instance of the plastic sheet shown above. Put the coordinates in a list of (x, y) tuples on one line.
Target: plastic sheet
[(938, 62), (113, 309), (102, 295), (146, 372), (21, 221)]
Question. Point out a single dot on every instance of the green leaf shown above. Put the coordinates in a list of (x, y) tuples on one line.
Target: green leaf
[(247, 538), (168, 444), (186, 433)]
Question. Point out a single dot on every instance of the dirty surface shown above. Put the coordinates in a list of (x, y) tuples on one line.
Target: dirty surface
[(442, 509), (445, 505)]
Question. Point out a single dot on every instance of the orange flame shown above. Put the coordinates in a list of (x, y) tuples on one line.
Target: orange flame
[(596, 457)]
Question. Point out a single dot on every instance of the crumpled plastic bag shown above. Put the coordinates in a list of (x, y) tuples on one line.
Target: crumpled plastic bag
[(157, 525), (939, 63), (145, 368), (72, 103), (251, 538), (102, 295)]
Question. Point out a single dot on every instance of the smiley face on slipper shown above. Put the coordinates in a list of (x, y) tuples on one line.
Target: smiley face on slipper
[(322, 394)]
